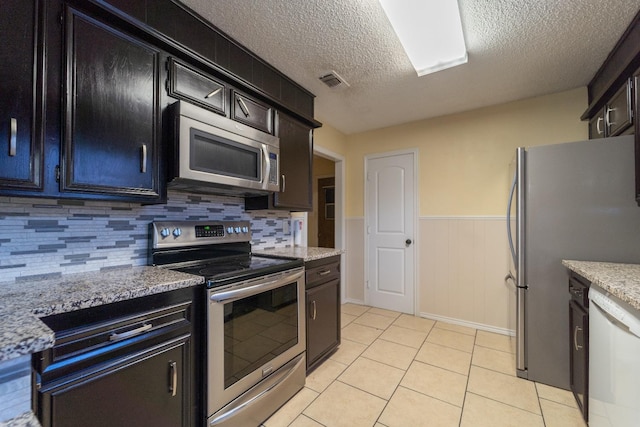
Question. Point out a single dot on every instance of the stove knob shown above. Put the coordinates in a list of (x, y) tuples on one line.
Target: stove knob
[(229, 230), (177, 232), (245, 230), (237, 230), (165, 232)]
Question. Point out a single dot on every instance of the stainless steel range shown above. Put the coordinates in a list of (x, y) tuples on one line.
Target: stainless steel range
[(255, 350)]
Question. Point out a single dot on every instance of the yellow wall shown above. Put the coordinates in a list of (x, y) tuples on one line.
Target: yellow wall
[(464, 158), (330, 138)]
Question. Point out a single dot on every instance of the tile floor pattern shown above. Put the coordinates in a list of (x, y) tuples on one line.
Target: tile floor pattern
[(393, 369)]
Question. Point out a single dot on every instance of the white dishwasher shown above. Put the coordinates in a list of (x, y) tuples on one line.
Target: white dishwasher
[(614, 361)]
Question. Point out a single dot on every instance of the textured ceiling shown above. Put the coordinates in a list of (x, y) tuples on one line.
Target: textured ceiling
[(517, 49)]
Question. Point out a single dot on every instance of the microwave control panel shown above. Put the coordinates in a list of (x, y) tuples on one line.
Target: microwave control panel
[(273, 172)]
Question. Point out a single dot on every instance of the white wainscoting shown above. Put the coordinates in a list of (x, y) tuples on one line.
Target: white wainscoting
[(354, 258), (462, 262), (462, 265)]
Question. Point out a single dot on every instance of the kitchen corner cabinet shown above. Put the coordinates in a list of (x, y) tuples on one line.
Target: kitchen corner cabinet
[(112, 121), (323, 309), (579, 341), (21, 139)]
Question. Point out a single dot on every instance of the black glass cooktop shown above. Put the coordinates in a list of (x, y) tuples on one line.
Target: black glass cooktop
[(225, 270)]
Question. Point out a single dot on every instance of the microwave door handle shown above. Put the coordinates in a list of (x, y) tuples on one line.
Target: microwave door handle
[(266, 166)]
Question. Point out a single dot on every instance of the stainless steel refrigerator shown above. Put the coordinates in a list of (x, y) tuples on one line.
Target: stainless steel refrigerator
[(568, 201)]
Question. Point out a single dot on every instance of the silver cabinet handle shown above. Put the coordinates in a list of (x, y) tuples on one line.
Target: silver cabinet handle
[(131, 333), (607, 117), (313, 310), (600, 132), (243, 107), (13, 136), (575, 337), (213, 93), (284, 184), (173, 374), (324, 273), (143, 158)]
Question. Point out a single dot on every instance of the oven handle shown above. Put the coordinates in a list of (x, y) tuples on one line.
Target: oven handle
[(243, 292)]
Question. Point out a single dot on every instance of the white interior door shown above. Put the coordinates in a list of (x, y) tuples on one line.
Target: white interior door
[(390, 221)]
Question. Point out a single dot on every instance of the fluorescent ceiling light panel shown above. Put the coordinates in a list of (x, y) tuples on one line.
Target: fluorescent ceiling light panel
[(430, 32)]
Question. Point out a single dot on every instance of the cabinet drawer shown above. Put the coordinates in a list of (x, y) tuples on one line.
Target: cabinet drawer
[(197, 87), (251, 112), (322, 274), (618, 111)]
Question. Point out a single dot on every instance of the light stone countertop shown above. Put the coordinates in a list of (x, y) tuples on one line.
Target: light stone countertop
[(300, 252), (621, 280), (28, 419), (21, 332)]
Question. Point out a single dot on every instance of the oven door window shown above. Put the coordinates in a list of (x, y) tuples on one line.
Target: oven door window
[(214, 154), (257, 329)]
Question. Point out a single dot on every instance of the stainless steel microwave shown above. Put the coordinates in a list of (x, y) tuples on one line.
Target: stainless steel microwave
[(214, 154)]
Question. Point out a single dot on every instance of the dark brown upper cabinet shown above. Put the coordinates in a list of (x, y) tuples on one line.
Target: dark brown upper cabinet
[(296, 162), (21, 138), (249, 111), (112, 112), (198, 88)]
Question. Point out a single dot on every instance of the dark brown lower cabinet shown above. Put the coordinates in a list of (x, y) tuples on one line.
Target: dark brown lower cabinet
[(131, 363), (323, 309), (579, 342)]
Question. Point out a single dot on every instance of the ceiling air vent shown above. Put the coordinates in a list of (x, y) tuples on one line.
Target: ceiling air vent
[(333, 80)]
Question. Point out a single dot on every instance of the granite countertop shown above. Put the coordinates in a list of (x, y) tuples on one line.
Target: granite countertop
[(300, 252), (28, 419), (621, 280), (21, 332)]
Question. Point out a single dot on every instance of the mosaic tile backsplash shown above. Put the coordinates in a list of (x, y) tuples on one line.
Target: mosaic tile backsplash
[(50, 237)]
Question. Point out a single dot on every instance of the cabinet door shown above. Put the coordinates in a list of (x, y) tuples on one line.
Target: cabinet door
[(149, 391), (296, 161), (579, 327), (20, 104), (251, 112), (596, 126), (323, 321), (635, 106), (112, 119)]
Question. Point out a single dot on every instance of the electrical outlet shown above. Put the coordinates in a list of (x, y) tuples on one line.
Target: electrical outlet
[(285, 227)]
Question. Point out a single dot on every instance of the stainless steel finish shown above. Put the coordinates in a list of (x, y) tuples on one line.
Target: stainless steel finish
[(188, 237), (190, 117), (173, 367), (243, 107), (213, 93), (521, 285), (259, 402), (575, 201), (600, 120), (251, 287), (13, 136), (218, 396), (266, 371), (575, 337), (143, 158), (132, 333), (284, 184), (314, 311), (324, 273)]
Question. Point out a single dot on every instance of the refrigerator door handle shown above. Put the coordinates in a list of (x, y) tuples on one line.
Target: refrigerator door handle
[(509, 204)]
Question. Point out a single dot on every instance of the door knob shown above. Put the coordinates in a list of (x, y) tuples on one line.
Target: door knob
[(408, 242)]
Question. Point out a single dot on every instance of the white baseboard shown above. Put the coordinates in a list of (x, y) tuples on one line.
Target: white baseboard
[(468, 324), (353, 301)]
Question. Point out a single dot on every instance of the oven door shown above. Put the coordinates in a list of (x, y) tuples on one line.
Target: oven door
[(254, 329)]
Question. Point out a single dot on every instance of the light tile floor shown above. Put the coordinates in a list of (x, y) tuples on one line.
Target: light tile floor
[(393, 369)]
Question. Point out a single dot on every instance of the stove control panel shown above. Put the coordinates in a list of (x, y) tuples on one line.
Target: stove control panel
[(173, 234)]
